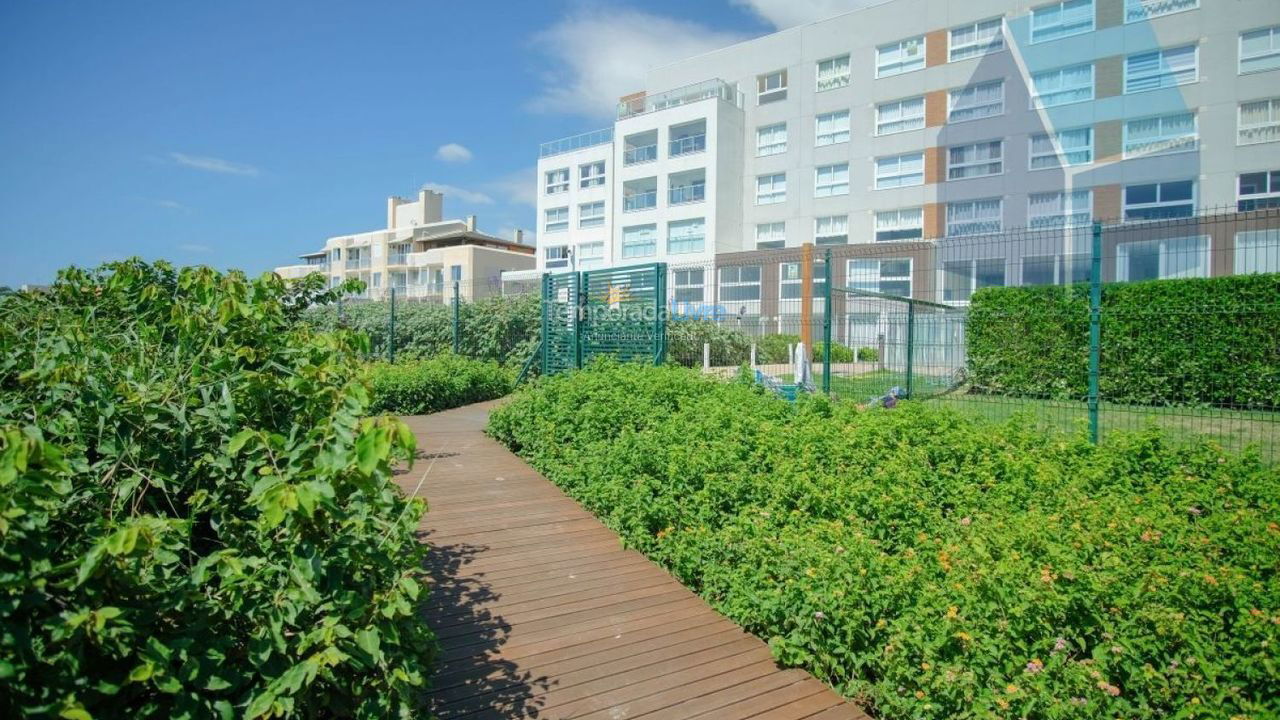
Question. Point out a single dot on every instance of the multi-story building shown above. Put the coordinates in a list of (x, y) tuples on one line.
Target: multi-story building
[(419, 255), (933, 125)]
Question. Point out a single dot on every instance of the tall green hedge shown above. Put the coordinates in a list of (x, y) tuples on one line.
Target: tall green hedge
[(197, 519), (1213, 341)]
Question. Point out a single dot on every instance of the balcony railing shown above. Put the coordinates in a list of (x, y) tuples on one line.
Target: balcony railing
[(640, 201), (576, 142), (688, 145), (1136, 10), (680, 96), (1259, 134), (359, 263), (688, 194), (398, 259), (642, 154)]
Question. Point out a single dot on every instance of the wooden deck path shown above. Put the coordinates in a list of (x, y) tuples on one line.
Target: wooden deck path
[(541, 613)]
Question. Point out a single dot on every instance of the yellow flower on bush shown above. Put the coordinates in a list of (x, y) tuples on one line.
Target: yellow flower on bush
[(953, 612)]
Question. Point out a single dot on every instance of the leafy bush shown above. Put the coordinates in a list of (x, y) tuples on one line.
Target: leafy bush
[(939, 566), (505, 329), (839, 353), (1164, 342), (415, 387), (772, 349), (868, 354), (685, 338), (195, 520)]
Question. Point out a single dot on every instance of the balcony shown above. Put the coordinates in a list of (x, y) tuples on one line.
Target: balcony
[(358, 263), (680, 96), (688, 145), (641, 154), (646, 200), (1138, 10), (398, 258), (688, 194), (576, 142), (1255, 134)]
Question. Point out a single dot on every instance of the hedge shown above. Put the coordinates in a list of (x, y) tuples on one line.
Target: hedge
[(934, 565), (196, 519), (416, 387), (1164, 342)]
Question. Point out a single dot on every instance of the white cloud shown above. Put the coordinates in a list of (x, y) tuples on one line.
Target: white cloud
[(171, 205), (519, 187), (601, 54), (195, 249), (452, 191), (212, 164), (453, 153), (789, 13)]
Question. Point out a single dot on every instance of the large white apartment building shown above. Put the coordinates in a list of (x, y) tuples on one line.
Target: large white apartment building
[(931, 120), (419, 255)]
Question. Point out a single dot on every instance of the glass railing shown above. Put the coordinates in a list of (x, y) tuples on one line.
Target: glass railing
[(576, 142), (640, 201), (688, 194), (642, 154), (357, 263), (398, 259), (688, 145), (680, 96)]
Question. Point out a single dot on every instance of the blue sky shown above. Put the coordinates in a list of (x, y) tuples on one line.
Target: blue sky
[(239, 134)]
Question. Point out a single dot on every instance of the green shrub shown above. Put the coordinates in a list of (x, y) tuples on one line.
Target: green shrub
[(195, 520), (505, 329), (772, 349), (868, 354), (936, 565), (839, 353), (1164, 342), (415, 387), (686, 336)]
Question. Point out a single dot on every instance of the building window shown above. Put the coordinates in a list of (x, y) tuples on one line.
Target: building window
[(832, 128), (639, 241), (791, 281), (557, 181), (1061, 149), (685, 236), (1258, 190), (1160, 135), (1056, 269), (739, 283), (1060, 208), (687, 139), (591, 214), (831, 230), (1161, 69), (1257, 251), (1260, 50), (556, 257), (1061, 19), (771, 139), (976, 39), (1139, 10), (771, 87), (590, 255), (771, 235), (975, 217), (890, 276), (976, 160), (900, 116), (1062, 86), (688, 285), (960, 278), (831, 180), (1259, 122), (833, 73), (687, 187), (591, 174), (900, 171), (1184, 257), (975, 101), (771, 189), (337, 254), (1156, 201), (555, 219), (901, 224), (377, 279), (900, 57)]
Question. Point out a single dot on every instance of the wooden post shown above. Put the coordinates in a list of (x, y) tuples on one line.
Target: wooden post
[(806, 294)]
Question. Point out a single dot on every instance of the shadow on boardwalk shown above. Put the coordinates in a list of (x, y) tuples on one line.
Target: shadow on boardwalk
[(474, 675)]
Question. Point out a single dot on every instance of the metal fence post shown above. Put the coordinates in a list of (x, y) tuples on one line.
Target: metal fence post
[(827, 311), (457, 326), (545, 346), (391, 329), (1095, 328), (911, 345)]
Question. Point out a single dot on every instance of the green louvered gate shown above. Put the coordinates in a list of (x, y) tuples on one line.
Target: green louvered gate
[(617, 311)]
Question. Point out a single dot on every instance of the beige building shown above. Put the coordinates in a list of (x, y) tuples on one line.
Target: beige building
[(419, 255)]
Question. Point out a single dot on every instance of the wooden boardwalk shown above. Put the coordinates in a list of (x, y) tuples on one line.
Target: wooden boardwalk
[(541, 613)]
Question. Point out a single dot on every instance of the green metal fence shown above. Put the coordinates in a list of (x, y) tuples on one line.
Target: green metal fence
[(620, 312)]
